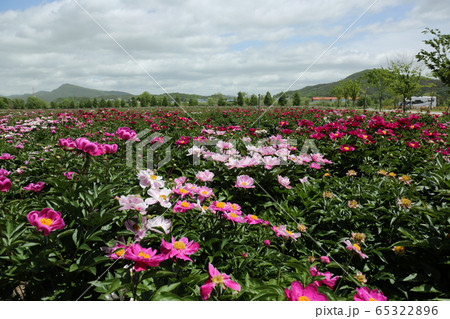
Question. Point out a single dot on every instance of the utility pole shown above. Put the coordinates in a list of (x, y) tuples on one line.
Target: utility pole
[(259, 110)]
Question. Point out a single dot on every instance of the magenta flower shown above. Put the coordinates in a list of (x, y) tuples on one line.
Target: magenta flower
[(281, 231), (413, 144), (5, 184), (127, 134), (4, 172), (34, 187), (46, 220), (327, 281), (244, 181), (117, 251), (182, 206), (216, 278), (144, 257), (299, 293), (67, 144), (365, 294), (6, 156), (183, 140), (179, 249), (70, 175), (267, 242), (325, 259), (234, 217), (346, 148)]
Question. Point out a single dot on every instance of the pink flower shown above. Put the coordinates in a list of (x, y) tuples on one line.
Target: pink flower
[(284, 181), (253, 219), (270, 161), (139, 232), (183, 140), (67, 143), (5, 184), (70, 175), (355, 247), (6, 156), (46, 220), (182, 206), (144, 257), (234, 217), (179, 249), (244, 181), (179, 181), (205, 176), (34, 187), (281, 231), (315, 165), (182, 191), (133, 202), (299, 293), (267, 242), (216, 278), (325, 259), (327, 281), (116, 252), (336, 135), (218, 206), (365, 294), (127, 134), (204, 192)]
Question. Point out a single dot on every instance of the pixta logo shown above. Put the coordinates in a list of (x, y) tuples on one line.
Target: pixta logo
[(147, 149)]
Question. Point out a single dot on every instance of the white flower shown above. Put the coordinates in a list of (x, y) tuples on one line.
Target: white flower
[(133, 202), (160, 196), (158, 222), (149, 178)]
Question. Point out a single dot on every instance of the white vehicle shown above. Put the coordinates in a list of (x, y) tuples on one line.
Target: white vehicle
[(421, 101)]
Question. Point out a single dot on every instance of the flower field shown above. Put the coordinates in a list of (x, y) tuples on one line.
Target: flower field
[(304, 204)]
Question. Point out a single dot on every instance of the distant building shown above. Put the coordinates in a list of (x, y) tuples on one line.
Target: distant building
[(319, 99)]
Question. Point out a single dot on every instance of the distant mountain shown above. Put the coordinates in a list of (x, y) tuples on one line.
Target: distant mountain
[(324, 89), (72, 91)]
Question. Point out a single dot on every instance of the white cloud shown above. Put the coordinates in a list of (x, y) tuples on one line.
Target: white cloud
[(200, 46)]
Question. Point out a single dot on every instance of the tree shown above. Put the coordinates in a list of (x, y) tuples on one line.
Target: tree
[(94, 103), (437, 60), (145, 98), (177, 100), (282, 100), (221, 101), (165, 101), (297, 100), (345, 91), (240, 98), (193, 102), (268, 100), (4, 103), (352, 88), (379, 79), (405, 79), (123, 103), (153, 101), (35, 103), (254, 100), (337, 91)]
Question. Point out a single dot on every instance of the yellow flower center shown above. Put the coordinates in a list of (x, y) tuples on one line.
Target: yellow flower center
[(360, 278), (254, 217), (46, 221), (346, 148), (218, 279), (183, 191), (364, 136), (372, 299), (289, 232), (392, 174), (303, 298), (220, 205), (185, 204), (142, 254), (406, 201), (233, 207), (153, 177), (204, 193), (385, 132), (179, 245), (164, 197), (244, 183), (233, 215), (357, 247), (120, 252), (205, 207)]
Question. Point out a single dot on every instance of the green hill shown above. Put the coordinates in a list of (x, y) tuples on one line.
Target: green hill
[(73, 91)]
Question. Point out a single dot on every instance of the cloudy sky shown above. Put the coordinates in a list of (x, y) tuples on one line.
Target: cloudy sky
[(205, 47)]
